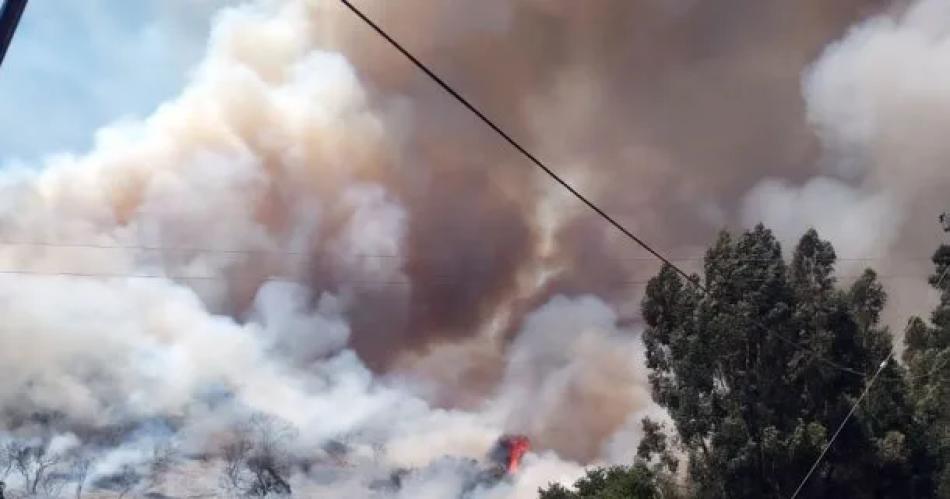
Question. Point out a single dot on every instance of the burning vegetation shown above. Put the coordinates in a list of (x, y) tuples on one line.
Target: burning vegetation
[(509, 451), (307, 253), (503, 462)]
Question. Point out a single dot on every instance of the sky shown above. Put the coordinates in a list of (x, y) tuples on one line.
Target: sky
[(77, 65)]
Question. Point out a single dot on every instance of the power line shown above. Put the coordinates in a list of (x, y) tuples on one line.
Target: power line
[(518, 146), (282, 252), (445, 277), (841, 426), (451, 91), (867, 388)]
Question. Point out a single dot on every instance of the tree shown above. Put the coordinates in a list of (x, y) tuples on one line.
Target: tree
[(655, 447), (615, 482), (126, 479), (81, 465), (36, 467), (6, 464), (651, 476), (928, 359), (256, 462), (160, 462), (759, 370)]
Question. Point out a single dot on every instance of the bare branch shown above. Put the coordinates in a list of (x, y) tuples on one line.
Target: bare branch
[(126, 479), (81, 466), (256, 462)]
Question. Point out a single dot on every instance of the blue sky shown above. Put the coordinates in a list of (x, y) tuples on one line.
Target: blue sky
[(76, 65)]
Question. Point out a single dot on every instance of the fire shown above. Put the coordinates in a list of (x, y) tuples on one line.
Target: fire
[(515, 447)]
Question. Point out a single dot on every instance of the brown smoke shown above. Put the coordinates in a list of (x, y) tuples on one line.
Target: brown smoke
[(664, 112), (422, 240)]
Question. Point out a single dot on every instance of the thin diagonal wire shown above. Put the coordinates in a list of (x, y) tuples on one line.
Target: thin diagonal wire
[(857, 403), (451, 91), (537, 162)]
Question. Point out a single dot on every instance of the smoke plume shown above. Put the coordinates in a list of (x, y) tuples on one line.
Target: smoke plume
[(874, 100), (314, 257)]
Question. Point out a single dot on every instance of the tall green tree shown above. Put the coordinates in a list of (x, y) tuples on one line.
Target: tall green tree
[(927, 356), (652, 475), (617, 482), (757, 373)]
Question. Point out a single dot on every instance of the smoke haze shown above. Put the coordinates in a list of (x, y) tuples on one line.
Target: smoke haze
[(313, 231)]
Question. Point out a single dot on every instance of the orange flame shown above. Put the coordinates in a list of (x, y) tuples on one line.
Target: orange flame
[(517, 447)]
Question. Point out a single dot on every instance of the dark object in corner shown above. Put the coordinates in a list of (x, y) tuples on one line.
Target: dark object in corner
[(10, 14)]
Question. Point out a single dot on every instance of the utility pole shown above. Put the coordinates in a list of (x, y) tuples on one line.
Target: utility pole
[(10, 14)]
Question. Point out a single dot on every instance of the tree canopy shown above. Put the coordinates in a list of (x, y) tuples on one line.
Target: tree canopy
[(757, 373), (615, 482), (927, 355), (758, 370)]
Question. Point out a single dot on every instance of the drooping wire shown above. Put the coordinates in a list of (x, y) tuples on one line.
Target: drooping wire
[(537, 162), (854, 407)]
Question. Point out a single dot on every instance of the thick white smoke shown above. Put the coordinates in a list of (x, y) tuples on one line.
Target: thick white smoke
[(878, 101), (572, 368), (119, 267), (291, 237)]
